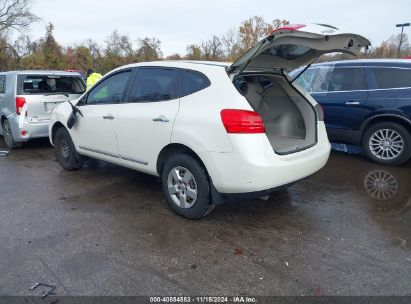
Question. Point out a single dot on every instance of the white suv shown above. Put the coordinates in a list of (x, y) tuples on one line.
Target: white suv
[(211, 131)]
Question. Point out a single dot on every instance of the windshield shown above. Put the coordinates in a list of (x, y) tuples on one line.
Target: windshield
[(50, 84)]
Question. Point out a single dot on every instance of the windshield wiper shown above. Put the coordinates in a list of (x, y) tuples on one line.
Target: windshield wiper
[(57, 93)]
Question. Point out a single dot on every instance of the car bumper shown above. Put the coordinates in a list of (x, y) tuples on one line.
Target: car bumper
[(254, 167), (24, 129)]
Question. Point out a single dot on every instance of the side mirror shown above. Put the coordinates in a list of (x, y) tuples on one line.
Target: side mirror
[(71, 120)]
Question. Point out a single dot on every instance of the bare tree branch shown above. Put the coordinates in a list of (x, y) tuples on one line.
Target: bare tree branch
[(16, 15)]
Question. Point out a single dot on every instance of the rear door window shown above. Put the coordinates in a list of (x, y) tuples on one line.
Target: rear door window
[(193, 82), (389, 78), (335, 79), (154, 84), (50, 84)]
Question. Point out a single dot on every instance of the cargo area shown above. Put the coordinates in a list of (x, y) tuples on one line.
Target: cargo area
[(289, 118)]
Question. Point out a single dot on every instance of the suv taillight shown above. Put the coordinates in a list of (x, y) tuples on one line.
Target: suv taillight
[(242, 121), (20, 102)]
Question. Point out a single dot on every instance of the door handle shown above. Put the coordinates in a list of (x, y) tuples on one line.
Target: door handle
[(108, 116), (161, 118), (352, 103)]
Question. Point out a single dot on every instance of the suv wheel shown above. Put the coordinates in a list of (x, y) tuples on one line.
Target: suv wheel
[(387, 143), (186, 187), (8, 136), (66, 152)]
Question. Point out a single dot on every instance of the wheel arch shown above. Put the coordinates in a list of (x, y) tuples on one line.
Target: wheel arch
[(174, 148), (57, 125), (405, 122)]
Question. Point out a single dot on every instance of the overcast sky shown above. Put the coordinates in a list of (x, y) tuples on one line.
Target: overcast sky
[(178, 23)]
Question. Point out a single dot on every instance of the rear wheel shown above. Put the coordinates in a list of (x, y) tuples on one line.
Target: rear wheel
[(66, 152), (186, 187), (387, 143), (8, 136)]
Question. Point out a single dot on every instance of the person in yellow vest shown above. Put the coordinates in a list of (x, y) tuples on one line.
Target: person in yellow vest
[(92, 78)]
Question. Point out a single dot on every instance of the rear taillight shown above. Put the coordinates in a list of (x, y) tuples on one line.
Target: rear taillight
[(20, 102), (320, 112), (242, 121)]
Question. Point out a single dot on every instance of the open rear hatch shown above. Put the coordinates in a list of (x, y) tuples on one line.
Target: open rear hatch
[(290, 119)]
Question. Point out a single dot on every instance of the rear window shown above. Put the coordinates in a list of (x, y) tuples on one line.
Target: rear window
[(388, 78), (287, 51), (193, 82), (50, 84)]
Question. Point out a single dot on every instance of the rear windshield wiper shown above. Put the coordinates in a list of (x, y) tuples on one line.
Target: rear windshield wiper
[(57, 93)]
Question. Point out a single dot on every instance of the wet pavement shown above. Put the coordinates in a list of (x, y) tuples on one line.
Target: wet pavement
[(106, 230)]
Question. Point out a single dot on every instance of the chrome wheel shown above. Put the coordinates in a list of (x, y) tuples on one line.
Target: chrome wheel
[(386, 144), (182, 187), (64, 148), (8, 136), (381, 185)]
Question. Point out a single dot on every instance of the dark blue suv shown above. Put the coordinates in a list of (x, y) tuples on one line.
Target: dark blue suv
[(367, 103)]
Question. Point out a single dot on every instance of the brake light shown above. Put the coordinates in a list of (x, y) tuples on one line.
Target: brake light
[(290, 27), (20, 102), (242, 121)]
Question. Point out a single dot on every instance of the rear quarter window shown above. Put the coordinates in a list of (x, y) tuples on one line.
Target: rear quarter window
[(193, 82), (389, 78), (50, 84)]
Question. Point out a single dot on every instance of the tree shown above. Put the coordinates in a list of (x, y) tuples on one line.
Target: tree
[(148, 49), (51, 50), (174, 57), (78, 58), (193, 52), (95, 53), (256, 28), (16, 15), (231, 44), (212, 49)]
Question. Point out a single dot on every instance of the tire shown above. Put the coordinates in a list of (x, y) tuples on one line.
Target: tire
[(8, 136), (387, 143), (66, 152), (181, 196)]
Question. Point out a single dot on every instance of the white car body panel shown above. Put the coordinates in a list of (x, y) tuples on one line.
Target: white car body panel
[(140, 139)]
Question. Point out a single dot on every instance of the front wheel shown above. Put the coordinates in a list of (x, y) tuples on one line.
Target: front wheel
[(186, 187), (66, 152), (387, 143)]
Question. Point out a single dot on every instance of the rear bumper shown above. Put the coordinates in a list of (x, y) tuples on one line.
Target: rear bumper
[(33, 129), (254, 167)]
